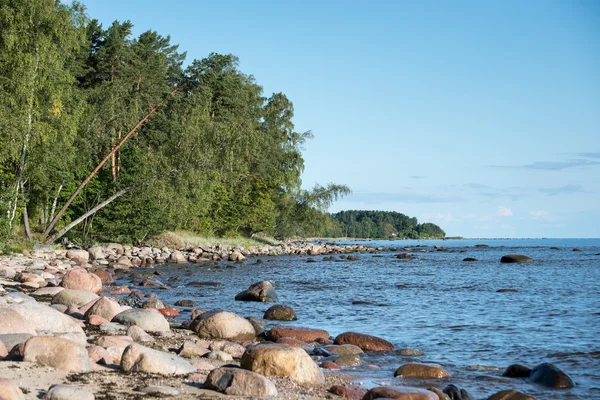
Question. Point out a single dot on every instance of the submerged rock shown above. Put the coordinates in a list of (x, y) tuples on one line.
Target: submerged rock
[(365, 342), (517, 371), (296, 332), (424, 371), (280, 313), (510, 395), (515, 258), (550, 375)]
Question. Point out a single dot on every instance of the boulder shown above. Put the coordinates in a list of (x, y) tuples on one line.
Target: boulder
[(348, 392), (96, 253), (13, 322), (239, 382), (178, 257), (78, 255), (423, 371), (348, 360), (147, 319), (139, 335), (70, 297), (510, 395), (68, 392), (236, 256), (120, 341), (550, 375), (80, 279), (105, 308), (223, 325), (292, 342), (280, 313), (365, 342), (400, 393), (342, 349), (57, 353), (190, 349), (304, 334), (9, 390), (282, 360), (45, 318), (517, 371), (259, 291), (138, 358), (219, 355), (515, 258)]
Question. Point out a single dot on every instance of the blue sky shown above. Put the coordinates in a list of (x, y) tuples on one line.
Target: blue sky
[(480, 116)]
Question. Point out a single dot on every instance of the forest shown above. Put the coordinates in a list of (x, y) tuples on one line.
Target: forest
[(106, 136)]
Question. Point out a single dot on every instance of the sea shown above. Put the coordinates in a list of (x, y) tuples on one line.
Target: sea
[(472, 318)]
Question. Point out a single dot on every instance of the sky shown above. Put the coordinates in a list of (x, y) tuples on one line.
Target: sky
[(480, 116)]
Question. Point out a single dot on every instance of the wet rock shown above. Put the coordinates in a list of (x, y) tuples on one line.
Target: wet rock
[(158, 391), (409, 352), (348, 360), (223, 325), (190, 350), (80, 279), (9, 390), (259, 291), (550, 375), (365, 342), (507, 290), (517, 371), (304, 334), (515, 258), (441, 395), (347, 392), (399, 393), (70, 297), (344, 349), (510, 395), (454, 393), (280, 313), (423, 371), (13, 322), (185, 303), (239, 382), (169, 312), (282, 360), (330, 365), (68, 392), (58, 353), (138, 358), (203, 284), (405, 255), (105, 308), (470, 259), (147, 319)]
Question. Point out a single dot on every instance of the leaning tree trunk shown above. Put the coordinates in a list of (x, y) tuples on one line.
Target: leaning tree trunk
[(100, 206), (108, 156)]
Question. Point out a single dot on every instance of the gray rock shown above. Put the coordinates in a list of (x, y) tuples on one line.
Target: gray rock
[(147, 319), (68, 392), (138, 358), (259, 291)]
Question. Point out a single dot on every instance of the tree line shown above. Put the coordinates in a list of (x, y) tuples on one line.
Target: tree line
[(109, 136), (379, 225)]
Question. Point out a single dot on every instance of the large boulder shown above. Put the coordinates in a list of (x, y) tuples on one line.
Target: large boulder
[(13, 322), (304, 334), (515, 258), (280, 313), (365, 342), (259, 291), (423, 371), (96, 253), (239, 382), (550, 375), (517, 371), (400, 393), (148, 319), (9, 390), (80, 279), (57, 353), (138, 358), (70, 297), (223, 325), (105, 308), (47, 319), (282, 360)]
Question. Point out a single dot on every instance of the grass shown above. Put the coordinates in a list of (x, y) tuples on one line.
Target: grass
[(185, 239)]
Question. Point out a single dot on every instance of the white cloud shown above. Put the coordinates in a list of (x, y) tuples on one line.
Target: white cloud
[(504, 212)]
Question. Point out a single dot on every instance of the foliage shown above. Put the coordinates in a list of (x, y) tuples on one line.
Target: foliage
[(219, 158)]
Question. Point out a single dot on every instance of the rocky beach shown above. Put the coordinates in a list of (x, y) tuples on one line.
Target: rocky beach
[(96, 323)]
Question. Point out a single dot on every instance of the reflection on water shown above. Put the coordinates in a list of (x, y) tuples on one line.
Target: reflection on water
[(473, 318)]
